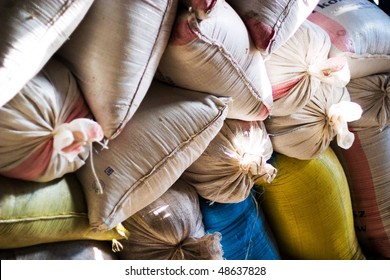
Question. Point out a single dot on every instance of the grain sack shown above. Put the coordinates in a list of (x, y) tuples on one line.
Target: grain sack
[(360, 31), (30, 33), (46, 130), (217, 56), (67, 250), (232, 162), (308, 132), (245, 232), (202, 8), (308, 206), (170, 228), (114, 53), (34, 213), (167, 134), (367, 166), (300, 66), (272, 22)]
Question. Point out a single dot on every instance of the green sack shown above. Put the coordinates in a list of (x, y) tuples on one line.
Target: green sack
[(35, 213)]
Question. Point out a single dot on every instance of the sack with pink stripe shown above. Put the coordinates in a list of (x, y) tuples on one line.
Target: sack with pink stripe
[(367, 164), (360, 31), (46, 127)]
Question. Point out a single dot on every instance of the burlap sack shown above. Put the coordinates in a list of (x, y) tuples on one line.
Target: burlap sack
[(47, 129), (272, 22), (244, 229), (359, 31), (232, 162), (30, 33), (308, 207), (169, 131), (170, 228), (34, 213), (308, 132), (217, 56), (300, 66), (114, 53)]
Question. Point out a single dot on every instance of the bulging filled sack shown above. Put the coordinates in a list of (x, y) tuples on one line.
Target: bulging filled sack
[(33, 213), (309, 132), (308, 207), (272, 22), (170, 228), (169, 131), (367, 166), (114, 53), (232, 162), (359, 31), (30, 33), (46, 130), (300, 66), (244, 229), (217, 56)]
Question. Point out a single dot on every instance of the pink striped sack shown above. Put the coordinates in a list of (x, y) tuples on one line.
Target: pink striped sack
[(30, 33), (46, 129), (301, 66), (114, 54), (217, 56), (367, 164), (360, 31), (272, 22)]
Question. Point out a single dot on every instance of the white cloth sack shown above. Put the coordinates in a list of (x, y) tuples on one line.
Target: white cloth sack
[(46, 129), (233, 161), (309, 132), (272, 22), (217, 56), (300, 66), (30, 33), (114, 53), (169, 131), (360, 31)]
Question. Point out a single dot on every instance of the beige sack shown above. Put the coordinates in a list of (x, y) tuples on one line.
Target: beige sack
[(170, 228), (114, 53), (308, 132), (217, 56), (46, 130), (272, 22), (167, 134), (233, 161), (30, 33)]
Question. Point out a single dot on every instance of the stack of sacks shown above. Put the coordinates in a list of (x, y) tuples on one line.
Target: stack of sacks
[(311, 102), (217, 56), (66, 250), (367, 165), (244, 229), (233, 161), (308, 207), (33, 213), (272, 22), (114, 53), (30, 33), (170, 228), (169, 131), (359, 31), (46, 130)]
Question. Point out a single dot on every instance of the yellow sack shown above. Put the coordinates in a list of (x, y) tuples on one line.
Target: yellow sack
[(308, 206)]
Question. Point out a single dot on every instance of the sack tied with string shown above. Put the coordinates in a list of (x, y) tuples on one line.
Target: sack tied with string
[(300, 66), (202, 8), (216, 56), (359, 31), (46, 130), (232, 162), (170, 228), (308, 132)]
